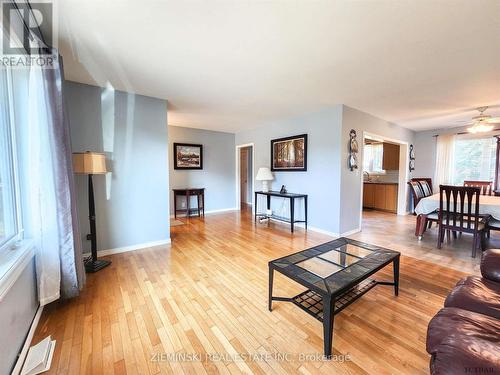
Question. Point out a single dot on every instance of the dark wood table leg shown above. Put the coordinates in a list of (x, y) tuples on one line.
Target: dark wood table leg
[(175, 205), (395, 266), (203, 202), (328, 325), (271, 276), (188, 201), (292, 213), (198, 203), (420, 225), (255, 208), (306, 211)]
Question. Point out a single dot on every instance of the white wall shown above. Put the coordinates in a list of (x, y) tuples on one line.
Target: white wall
[(218, 173), (321, 181)]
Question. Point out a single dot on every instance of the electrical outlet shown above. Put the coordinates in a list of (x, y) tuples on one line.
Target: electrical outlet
[(183, 204)]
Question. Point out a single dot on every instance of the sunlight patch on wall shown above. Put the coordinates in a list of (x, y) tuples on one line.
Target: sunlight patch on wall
[(108, 131)]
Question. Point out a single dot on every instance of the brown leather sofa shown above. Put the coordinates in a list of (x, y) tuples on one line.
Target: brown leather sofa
[(464, 336)]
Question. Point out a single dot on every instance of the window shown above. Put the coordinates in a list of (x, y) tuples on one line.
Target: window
[(474, 159), (9, 227), (372, 158)]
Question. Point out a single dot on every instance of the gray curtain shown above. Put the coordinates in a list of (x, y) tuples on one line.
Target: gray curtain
[(72, 268)]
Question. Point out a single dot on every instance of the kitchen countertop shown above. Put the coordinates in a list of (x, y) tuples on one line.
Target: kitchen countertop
[(380, 182)]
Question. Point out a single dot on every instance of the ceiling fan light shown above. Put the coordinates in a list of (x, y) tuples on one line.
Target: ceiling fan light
[(480, 128)]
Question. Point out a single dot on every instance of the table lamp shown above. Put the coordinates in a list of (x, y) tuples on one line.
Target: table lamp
[(91, 163), (264, 174)]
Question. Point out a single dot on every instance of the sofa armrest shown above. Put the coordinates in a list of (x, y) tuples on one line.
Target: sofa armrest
[(490, 265)]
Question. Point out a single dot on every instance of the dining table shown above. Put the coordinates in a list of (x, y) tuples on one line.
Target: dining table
[(489, 205)]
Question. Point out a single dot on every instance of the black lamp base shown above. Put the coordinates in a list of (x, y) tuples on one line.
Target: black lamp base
[(92, 266)]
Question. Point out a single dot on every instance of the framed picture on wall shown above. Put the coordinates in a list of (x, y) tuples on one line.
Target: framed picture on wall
[(289, 154), (188, 156)]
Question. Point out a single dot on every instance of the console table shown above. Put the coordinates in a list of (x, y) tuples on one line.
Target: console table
[(200, 200), (292, 197)]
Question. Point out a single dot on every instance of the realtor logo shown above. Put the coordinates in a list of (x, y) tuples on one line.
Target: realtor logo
[(29, 34)]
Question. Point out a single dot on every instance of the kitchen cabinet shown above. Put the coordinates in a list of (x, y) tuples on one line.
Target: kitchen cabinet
[(391, 198), (369, 195), (381, 196), (390, 157)]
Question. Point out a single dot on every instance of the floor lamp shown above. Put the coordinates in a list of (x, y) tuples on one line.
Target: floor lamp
[(91, 163)]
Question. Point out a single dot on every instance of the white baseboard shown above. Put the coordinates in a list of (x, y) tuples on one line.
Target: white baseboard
[(27, 343), (322, 231), (328, 233), (125, 249), (210, 212), (314, 229), (350, 232), (221, 210)]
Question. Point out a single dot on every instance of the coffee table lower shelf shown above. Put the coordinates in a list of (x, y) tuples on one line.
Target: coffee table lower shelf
[(335, 274), (312, 302)]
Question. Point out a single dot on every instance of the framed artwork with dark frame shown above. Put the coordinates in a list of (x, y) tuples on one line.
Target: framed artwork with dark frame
[(289, 154), (188, 156)]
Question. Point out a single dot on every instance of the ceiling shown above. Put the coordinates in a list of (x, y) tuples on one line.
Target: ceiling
[(235, 65)]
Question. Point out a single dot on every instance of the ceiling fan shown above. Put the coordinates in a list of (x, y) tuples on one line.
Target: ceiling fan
[(483, 123)]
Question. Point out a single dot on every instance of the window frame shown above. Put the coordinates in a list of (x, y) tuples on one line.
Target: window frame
[(374, 172), (470, 137), (19, 230)]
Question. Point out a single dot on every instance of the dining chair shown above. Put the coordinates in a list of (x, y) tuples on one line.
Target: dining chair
[(492, 224), (485, 186), (421, 188), (417, 193), (459, 212)]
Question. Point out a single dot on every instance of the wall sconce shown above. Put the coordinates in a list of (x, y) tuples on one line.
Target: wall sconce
[(353, 151), (411, 164)]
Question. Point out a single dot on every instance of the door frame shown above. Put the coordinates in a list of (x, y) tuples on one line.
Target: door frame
[(403, 174), (237, 180)]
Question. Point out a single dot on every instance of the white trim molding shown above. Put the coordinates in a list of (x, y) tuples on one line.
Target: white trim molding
[(237, 172), (211, 212), (403, 172), (125, 249), (314, 229), (27, 343), (322, 231), (350, 232)]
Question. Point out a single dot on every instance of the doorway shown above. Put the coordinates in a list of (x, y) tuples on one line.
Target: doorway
[(383, 181), (244, 175)]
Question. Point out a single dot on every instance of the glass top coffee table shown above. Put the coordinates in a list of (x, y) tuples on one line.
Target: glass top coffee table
[(336, 274)]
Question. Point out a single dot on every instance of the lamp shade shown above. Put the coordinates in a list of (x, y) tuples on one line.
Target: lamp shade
[(89, 163), (264, 174)]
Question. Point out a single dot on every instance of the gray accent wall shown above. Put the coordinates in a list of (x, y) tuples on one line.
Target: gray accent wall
[(350, 190), (321, 181), (132, 202), (218, 173)]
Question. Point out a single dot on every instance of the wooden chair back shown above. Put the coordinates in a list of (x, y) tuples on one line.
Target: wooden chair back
[(485, 186), (459, 208), (420, 188), (425, 183)]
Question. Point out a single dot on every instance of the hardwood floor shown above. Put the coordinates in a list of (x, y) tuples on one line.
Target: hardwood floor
[(397, 233), (207, 294)]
